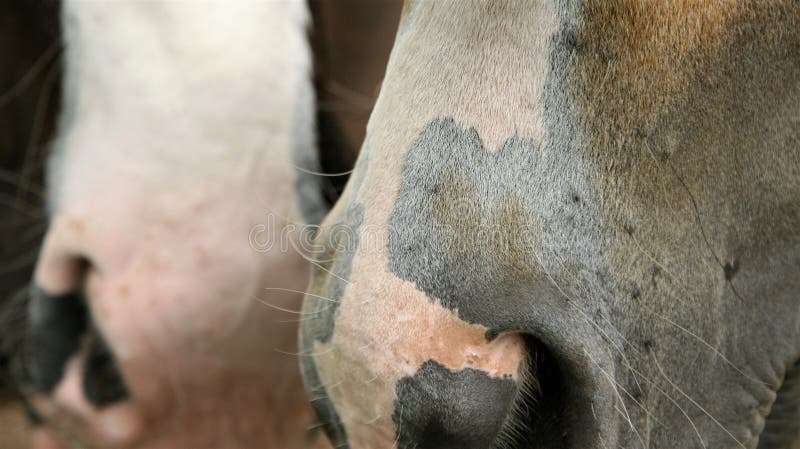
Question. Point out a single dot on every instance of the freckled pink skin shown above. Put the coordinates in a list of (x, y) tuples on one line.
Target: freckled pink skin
[(175, 143)]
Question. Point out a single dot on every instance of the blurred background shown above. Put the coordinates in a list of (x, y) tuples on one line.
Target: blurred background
[(30, 75), (351, 40)]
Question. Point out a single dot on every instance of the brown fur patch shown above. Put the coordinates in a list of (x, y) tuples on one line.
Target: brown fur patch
[(701, 78), (647, 49), (650, 49)]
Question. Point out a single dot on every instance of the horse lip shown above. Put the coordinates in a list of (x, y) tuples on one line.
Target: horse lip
[(119, 425)]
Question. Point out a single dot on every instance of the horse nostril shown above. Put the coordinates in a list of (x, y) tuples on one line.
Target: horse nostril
[(57, 315), (542, 416), (56, 325), (59, 326), (444, 409), (102, 382)]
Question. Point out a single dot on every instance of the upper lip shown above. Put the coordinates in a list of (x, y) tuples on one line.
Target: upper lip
[(116, 426)]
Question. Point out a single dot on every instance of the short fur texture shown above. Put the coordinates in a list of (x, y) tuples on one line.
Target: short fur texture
[(654, 160)]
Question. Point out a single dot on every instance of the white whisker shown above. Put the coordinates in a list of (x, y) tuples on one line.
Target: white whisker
[(664, 375), (311, 172)]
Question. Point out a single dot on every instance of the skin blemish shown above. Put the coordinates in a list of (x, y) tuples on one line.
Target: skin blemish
[(655, 272), (628, 229), (730, 269), (77, 226)]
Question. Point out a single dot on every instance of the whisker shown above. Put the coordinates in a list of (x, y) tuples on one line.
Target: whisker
[(282, 309), (716, 352), (301, 354), (664, 375), (315, 426), (687, 331), (12, 179), (627, 393), (316, 264), (316, 173), (374, 378), (675, 403), (627, 418), (298, 320), (20, 262), (301, 292), (35, 70), (37, 128), (589, 320), (373, 420), (350, 95), (28, 210)]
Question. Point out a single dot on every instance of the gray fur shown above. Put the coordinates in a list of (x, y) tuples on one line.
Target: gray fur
[(336, 257), (323, 311)]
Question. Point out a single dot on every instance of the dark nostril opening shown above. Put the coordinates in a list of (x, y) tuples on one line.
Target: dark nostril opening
[(102, 382), (780, 424), (540, 417), (56, 325)]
